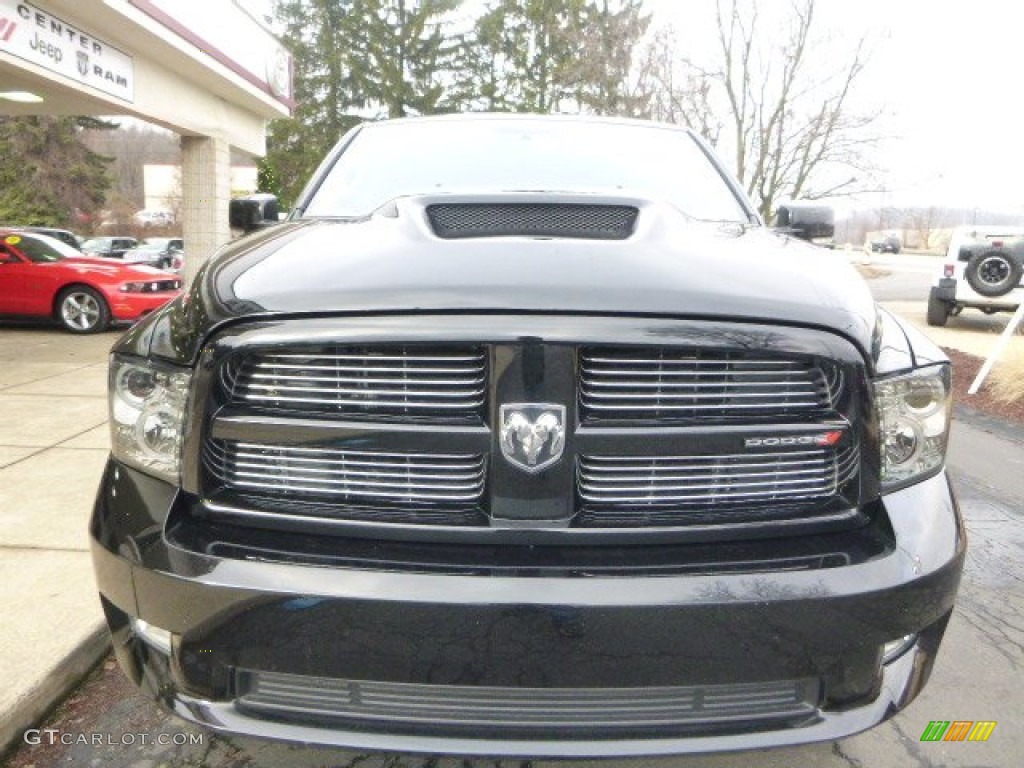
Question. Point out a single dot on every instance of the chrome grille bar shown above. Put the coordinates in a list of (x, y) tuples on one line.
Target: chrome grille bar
[(439, 383), (687, 358), (347, 476), (360, 379), (374, 357), (712, 481), (657, 384)]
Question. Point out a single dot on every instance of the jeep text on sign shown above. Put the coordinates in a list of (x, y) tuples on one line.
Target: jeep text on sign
[(35, 35)]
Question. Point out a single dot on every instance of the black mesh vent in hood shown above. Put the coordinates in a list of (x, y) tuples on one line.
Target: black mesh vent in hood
[(593, 222)]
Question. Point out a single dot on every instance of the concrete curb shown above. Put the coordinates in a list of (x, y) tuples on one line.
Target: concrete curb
[(33, 706)]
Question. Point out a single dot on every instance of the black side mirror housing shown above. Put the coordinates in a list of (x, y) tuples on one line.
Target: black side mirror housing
[(805, 220), (253, 212)]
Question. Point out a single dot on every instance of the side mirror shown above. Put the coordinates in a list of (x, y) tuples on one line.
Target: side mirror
[(806, 221), (253, 212)]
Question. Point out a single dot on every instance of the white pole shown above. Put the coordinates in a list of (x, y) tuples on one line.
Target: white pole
[(997, 351)]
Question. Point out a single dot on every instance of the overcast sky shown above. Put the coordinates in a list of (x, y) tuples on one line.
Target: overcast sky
[(948, 77)]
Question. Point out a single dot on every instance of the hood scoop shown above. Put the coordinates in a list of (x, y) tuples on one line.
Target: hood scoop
[(453, 221)]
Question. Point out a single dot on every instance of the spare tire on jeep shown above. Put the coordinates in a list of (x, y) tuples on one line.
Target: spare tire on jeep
[(993, 273)]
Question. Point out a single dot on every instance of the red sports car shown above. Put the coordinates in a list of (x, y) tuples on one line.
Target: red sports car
[(43, 277)]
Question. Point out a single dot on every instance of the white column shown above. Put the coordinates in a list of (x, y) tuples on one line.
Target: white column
[(206, 190)]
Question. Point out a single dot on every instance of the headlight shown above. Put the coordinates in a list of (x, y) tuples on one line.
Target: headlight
[(150, 286), (147, 414), (913, 421)]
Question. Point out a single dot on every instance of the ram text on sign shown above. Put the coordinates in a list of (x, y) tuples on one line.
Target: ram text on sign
[(48, 41)]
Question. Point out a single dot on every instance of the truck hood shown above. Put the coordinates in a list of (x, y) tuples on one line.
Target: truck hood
[(393, 261)]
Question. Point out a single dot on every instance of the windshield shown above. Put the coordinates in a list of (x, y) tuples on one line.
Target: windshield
[(42, 249), (390, 160)]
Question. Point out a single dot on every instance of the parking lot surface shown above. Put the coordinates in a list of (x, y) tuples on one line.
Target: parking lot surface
[(53, 444)]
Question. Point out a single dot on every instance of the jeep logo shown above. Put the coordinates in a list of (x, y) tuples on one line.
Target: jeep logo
[(822, 440)]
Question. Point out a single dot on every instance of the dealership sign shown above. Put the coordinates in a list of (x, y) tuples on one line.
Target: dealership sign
[(35, 35)]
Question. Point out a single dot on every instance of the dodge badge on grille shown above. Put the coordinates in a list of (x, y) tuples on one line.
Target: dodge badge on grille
[(532, 434)]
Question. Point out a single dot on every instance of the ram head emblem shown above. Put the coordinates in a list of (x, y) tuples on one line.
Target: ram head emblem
[(532, 434)]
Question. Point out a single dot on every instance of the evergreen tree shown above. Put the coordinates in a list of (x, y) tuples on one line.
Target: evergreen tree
[(47, 175), (603, 64), (364, 59), (556, 55), (406, 55), (482, 77), (353, 60), (267, 179), (327, 80), (525, 52)]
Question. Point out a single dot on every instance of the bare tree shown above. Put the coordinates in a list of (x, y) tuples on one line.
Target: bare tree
[(923, 221), (605, 41), (784, 101), (131, 149), (673, 93)]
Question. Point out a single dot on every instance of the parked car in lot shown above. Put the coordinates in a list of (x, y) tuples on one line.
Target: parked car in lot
[(45, 278), (887, 244), (154, 217), (108, 247), (525, 436), (983, 269), (64, 235), (165, 253)]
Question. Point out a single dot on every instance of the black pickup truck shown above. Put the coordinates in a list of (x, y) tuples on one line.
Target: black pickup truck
[(525, 436)]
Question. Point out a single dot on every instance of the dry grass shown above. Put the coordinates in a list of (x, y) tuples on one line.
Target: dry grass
[(1007, 379), (964, 368), (870, 272)]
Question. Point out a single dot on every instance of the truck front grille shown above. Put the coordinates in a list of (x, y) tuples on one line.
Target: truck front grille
[(705, 441), (635, 490), (422, 383), (645, 385), (345, 476)]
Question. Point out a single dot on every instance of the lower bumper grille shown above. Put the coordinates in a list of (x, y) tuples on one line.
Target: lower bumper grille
[(510, 710)]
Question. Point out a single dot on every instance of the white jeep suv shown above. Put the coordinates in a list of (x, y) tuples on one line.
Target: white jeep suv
[(982, 269)]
